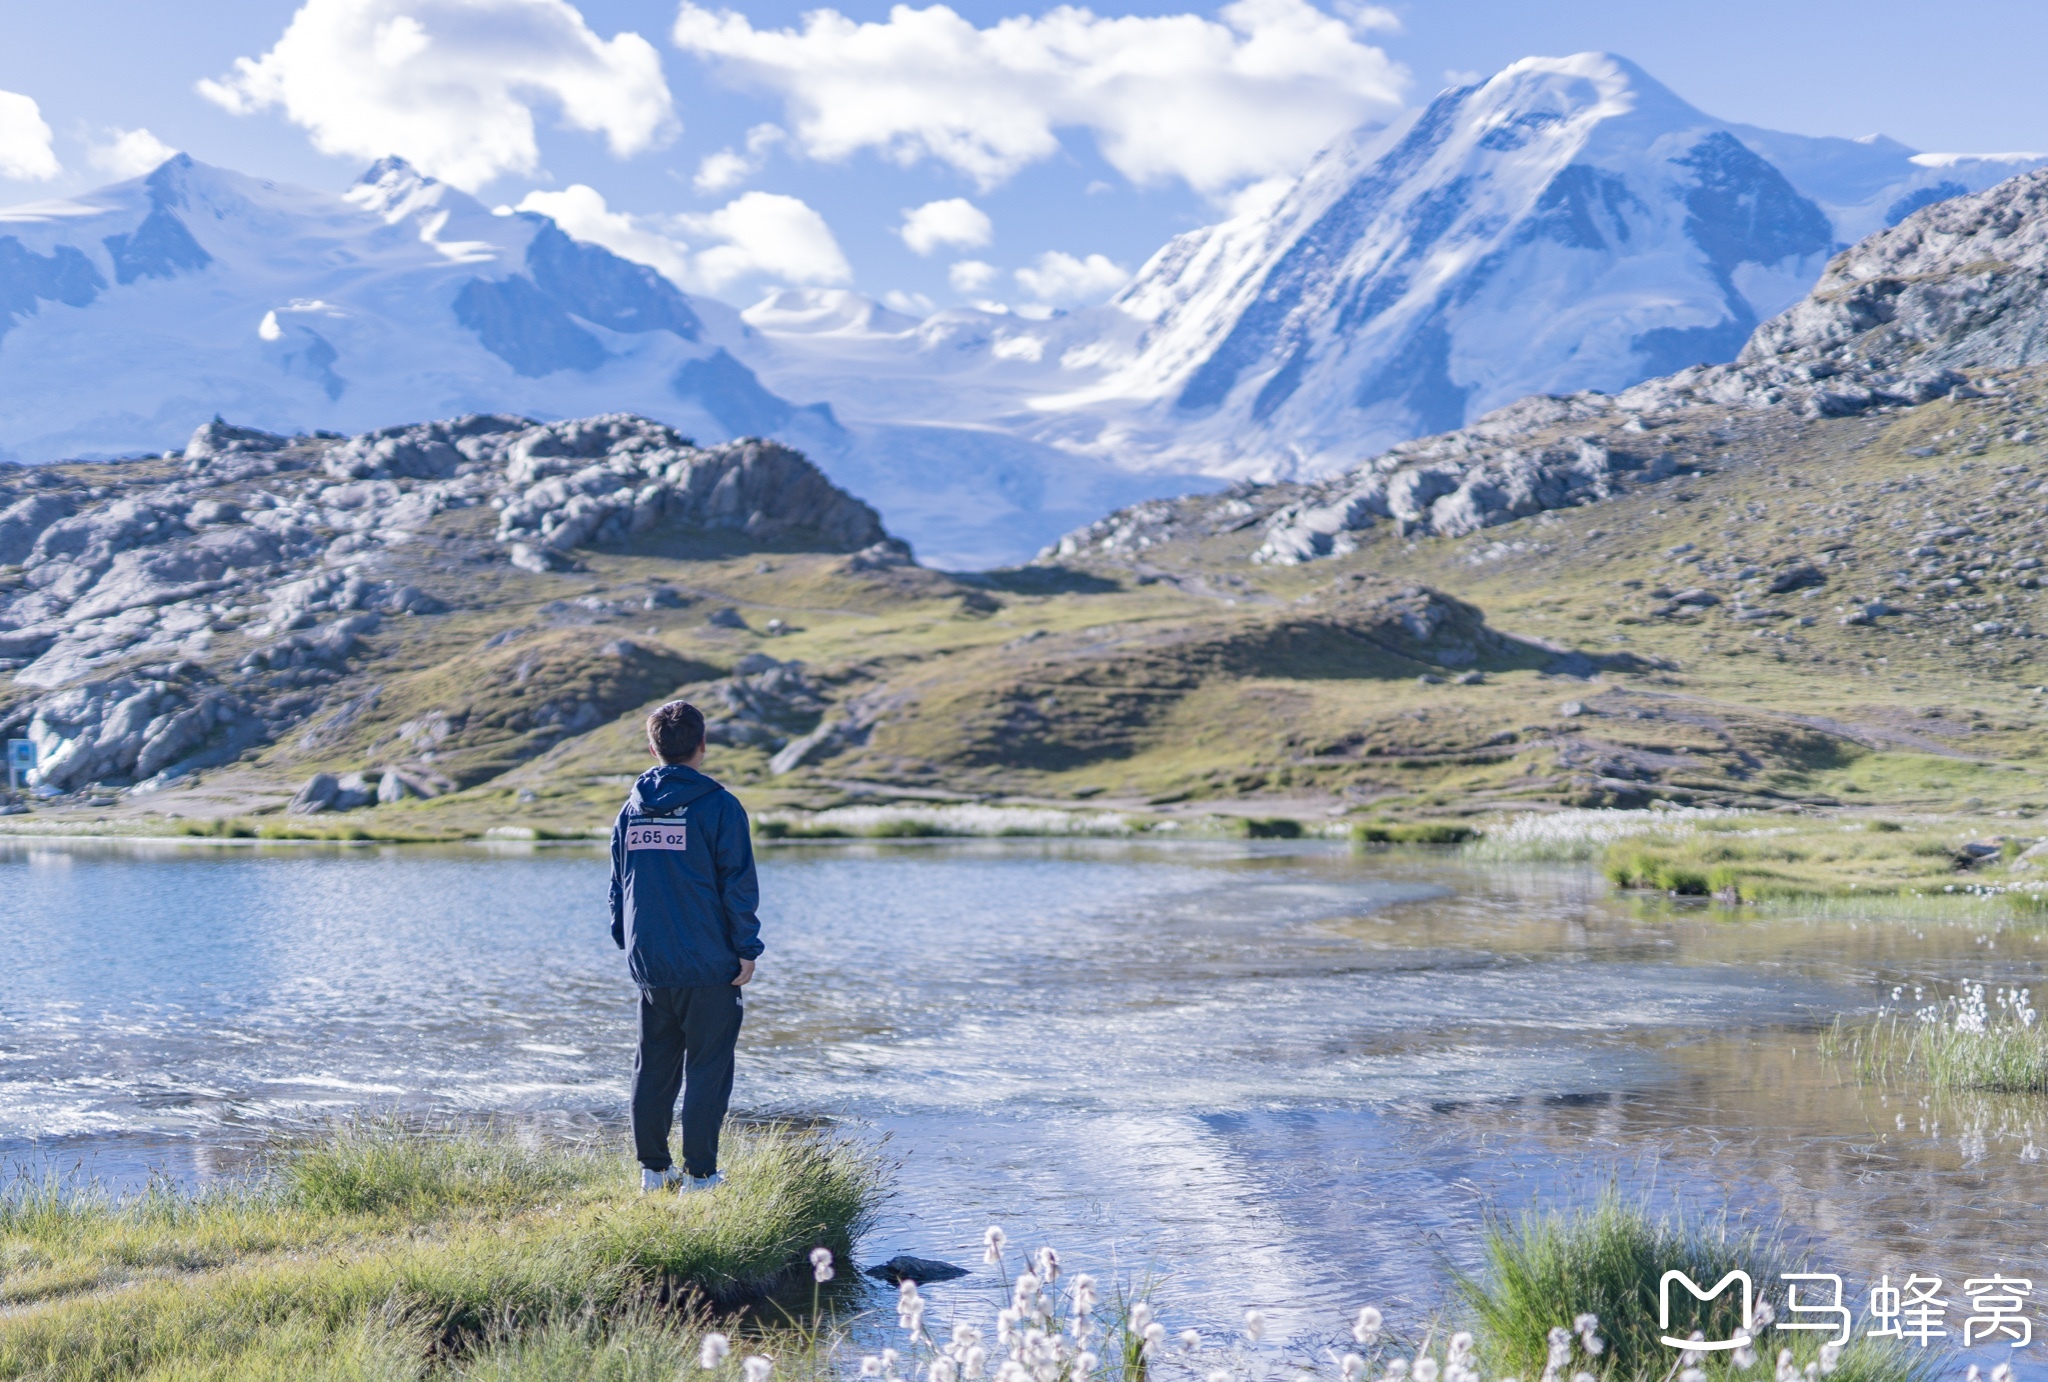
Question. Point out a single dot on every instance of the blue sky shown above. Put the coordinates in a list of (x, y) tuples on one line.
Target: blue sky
[(1024, 132)]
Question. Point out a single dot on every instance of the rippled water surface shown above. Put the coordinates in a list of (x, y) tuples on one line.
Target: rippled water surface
[(1294, 1077)]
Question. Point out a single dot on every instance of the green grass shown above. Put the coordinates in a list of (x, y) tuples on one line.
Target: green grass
[(467, 1241), (1757, 858), (1960, 1043), (1607, 1259)]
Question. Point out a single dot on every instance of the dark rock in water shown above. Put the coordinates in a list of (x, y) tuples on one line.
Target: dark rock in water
[(904, 1267)]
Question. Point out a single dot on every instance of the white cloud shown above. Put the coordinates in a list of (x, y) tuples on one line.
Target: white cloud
[(954, 221), (971, 275), (768, 235), (25, 151), (722, 171), (451, 85), (128, 153), (760, 235), (728, 168), (1061, 278), (1166, 96)]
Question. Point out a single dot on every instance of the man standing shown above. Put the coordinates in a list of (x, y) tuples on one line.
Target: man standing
[(683, 900)]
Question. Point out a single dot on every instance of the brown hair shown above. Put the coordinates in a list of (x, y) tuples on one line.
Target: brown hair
[(675, 731)]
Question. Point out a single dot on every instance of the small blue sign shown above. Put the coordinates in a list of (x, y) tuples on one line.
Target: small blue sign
[(21, 754)]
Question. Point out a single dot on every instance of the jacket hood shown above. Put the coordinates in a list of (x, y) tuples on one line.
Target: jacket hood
[(665, 790)]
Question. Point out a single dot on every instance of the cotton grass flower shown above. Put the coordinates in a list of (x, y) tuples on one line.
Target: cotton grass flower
[(992, 1242), (1190, 1339), (713, 1351), (1254, 1325), (1141, 1315), (757, 1368), (1155, 1338), (1046, 1262), (871, 1366), (1085, 1363), (941, 1369), (1221, 1375), (973, 1361), (1366, 1328), (1831, 1358), (821, 1264), (1351, 1368), (1425, 1369), (1397, 1370)]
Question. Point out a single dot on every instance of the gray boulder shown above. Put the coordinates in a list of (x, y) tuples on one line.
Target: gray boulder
[(315, 794), (216, 439)]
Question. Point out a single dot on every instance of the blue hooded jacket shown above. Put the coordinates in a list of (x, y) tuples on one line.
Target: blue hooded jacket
[(683, 885)]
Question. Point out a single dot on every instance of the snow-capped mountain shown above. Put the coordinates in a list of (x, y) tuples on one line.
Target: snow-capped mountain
[(1569, 224), (129, 316)]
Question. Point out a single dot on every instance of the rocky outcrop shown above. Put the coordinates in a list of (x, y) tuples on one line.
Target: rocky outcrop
[(608, 479), (265, 562), (764, 703), (127, 728)]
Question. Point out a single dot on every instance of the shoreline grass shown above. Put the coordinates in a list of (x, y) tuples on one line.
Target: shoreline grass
[(1961, 1042), (467, 1240), (1576, 1291)]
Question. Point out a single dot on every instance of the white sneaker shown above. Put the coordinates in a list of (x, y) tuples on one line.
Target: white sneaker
[(710, 1182), (651, 1181)]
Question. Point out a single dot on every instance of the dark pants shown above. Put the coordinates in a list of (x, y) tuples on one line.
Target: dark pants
[(686, 1042)]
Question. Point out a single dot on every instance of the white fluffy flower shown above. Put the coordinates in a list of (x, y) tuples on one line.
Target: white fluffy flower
[(993, 1241), (1141, 1315), (757, 1367), (1425, 1369), (1366, 1328), (1190, 1340), (1831, 1358), (1351, 1367), (1254, 1325), (714, 1351)]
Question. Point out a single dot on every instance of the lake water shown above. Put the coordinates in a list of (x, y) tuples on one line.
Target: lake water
[(1297, 1077)]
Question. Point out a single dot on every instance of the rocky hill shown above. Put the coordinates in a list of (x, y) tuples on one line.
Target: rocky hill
[(160, 617)]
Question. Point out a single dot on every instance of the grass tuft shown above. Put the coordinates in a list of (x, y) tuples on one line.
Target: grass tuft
[(1607, 1259), (1961, 1042), (350, 1246)]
